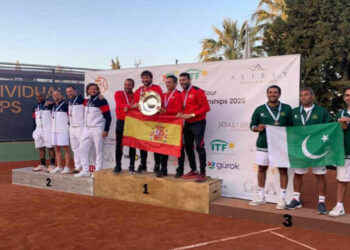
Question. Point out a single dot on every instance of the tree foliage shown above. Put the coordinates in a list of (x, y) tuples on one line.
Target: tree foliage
[(319, 30), (229, 43), (115, 64)]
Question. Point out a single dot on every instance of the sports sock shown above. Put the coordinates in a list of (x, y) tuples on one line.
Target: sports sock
[(321, 198), (42, 161), (296, 196), (52, 160), (340, 204), (283, 194), (261, 193)]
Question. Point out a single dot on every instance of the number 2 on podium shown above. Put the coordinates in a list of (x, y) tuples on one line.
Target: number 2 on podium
[(48, 182)]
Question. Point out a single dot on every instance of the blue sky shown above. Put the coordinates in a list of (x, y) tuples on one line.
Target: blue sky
[(89, 33)]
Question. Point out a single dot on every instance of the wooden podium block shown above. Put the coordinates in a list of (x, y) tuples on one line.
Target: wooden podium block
[(58, 182), (167, 191)]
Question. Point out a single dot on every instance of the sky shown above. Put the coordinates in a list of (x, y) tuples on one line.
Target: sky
[(90, 33)]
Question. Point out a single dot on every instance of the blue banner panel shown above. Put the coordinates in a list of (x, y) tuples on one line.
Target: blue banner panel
[(16, 103)]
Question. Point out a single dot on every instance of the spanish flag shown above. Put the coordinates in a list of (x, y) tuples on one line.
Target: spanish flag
[(159, 133)]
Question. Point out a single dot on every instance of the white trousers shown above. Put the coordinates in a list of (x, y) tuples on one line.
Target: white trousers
[(75, 136), (42, 138), (91, 136)]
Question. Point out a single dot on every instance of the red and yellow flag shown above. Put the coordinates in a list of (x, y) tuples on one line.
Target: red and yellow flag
[(158, 133)]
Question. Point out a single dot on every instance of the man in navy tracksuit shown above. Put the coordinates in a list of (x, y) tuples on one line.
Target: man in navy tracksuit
[(96, 126), (42, 132)]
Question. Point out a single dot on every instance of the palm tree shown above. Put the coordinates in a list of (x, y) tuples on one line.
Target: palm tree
[(229, 44), (115, 64), (268, 10)]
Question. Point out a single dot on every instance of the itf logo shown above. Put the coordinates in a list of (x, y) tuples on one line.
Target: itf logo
[(222, 165), (195, 74), (218, 145)]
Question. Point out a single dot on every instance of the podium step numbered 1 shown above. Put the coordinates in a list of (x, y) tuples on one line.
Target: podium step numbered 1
[(148, 189)]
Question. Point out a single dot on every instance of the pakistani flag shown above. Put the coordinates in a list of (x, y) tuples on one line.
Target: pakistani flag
[(306, 146)]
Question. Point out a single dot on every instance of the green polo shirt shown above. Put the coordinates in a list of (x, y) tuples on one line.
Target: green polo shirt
[(318, 115), (262, 115), (346, 133)]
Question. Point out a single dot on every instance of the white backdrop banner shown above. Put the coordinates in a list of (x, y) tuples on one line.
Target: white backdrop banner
[(234, 89)]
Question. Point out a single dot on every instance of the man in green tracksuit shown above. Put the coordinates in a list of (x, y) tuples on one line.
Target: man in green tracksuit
[(271, 113), (343, 172), (309, 114)]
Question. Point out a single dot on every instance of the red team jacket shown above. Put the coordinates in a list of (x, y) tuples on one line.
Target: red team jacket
[(153, 87), (196, 103), (121, 103), (174, 104)]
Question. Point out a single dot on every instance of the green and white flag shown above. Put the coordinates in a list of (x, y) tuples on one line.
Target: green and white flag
[(306, 146)]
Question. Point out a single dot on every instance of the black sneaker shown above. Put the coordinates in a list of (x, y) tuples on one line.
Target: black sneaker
[(117, 169), (162, 173), (141, 168), (156, 168), (159, 174), (294, 204), (179, 174), (131, 169), (321, 209)]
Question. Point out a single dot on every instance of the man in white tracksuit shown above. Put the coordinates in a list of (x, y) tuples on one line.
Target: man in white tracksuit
[(76, 121), (97, 121), (42, 132)]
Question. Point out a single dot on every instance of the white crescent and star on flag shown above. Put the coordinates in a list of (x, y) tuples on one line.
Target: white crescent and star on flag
[(306, 151)]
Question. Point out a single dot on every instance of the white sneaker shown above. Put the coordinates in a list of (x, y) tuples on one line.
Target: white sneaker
[(66, 170), (257, 202), (82, 174), (56, 170), (281, 204), (39, 168), (77, 170), (337, 211), (50, 168)]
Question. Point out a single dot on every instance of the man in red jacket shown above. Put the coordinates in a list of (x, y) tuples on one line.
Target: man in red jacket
[(195, 108), (172, 105), (148, 85), (124, 99)]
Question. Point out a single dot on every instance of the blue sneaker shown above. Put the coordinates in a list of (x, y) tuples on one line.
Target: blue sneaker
[(294, 204), (321, 209)]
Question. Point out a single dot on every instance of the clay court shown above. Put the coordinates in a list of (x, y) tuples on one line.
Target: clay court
[(41, 219)]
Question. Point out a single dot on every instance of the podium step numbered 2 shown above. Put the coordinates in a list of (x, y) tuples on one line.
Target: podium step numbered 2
[(57, 182)]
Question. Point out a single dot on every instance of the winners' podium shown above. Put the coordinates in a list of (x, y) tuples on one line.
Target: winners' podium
[(166, 191), (142, 188)]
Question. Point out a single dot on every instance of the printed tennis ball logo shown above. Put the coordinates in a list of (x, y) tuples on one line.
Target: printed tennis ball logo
[(218, 145)]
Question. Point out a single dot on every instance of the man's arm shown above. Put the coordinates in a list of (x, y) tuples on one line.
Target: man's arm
[(203, 103), (33, 116), (106, 115)]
